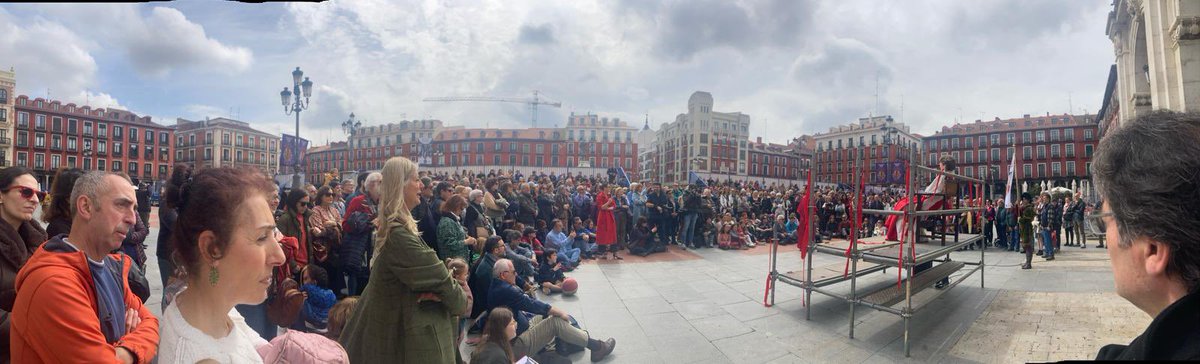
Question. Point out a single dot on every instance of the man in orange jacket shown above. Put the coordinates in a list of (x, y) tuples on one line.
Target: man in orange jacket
[(73, 300)]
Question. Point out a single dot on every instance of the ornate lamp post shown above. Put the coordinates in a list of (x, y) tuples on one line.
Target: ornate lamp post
[(295, 106), (350, 127)]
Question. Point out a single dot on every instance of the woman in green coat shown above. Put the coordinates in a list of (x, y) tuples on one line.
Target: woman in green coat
[(453, 241), (1025, 222), (406, 313)]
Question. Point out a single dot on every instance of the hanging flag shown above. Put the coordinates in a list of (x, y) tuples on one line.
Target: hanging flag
[(1008, 188), (802, 211), (695, 179), (622, 178)]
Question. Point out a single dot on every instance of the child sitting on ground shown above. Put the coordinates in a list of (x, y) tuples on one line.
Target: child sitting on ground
[(641, 240), (550, 272), (723, 240), (338, 315), (314, 317)]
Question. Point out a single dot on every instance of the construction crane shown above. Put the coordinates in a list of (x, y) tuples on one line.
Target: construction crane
[(533, 103)]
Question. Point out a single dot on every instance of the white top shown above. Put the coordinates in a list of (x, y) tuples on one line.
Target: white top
[(180, 343)]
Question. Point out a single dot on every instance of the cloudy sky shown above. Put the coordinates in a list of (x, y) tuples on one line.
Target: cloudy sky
[(795, 66)]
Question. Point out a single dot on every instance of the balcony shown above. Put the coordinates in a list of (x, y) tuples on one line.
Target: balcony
[(5, 141), (24, 125), (40, 127), (117, 154), (56, 148), (3, 163), (102, 153), (87, 134)]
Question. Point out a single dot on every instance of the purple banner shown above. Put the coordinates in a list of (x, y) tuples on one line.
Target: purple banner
[(896, 173), (288, 149)]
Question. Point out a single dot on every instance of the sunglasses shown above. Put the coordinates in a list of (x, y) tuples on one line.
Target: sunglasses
[(27, 192)]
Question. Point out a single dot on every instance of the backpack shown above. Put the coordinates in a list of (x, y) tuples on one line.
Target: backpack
[(284, 299)]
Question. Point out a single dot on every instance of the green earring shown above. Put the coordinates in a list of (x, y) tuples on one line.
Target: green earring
[(213, 276)]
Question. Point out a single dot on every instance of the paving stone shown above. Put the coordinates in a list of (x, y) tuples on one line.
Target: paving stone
[(720, 327), (751, 347)]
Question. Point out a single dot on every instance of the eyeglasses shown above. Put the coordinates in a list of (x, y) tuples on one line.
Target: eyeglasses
[(27, 192), (1097, 220)]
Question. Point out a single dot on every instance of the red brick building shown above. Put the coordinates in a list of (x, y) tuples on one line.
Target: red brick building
[(776, 162), (1051, 148), (456, 148), (880, 138), (49, 135)]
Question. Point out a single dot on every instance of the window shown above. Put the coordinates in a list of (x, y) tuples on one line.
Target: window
[(954, 143), (1087, 150), (102, 147), (1011, 138), (22, 138), (71, 161), (56, 142), (995, 139), (1041, 136), (1054, 150), (1041, 152), (1070, 150), (1026, 152), (133, 136), (102, 130), (982, 156), (1054, 135), (117, 134), (1070, 168), (996, 154), (117, 149), (1056, 168), (22, 159), (1026, 137), (1041, 170), (966, 157), (55, 160), (967, 143), (72, 126), (71, 144), (162, 136), (23, 120), (39, 140), (133, 167), (116, 166), (1087, 135), (39, 161), (1068, 134)]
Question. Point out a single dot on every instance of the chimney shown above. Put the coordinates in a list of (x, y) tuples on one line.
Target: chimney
[(759, 140), (977, 121), (1026, 116), (997, 118)]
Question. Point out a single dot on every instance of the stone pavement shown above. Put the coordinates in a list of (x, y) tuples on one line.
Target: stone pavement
[(705, 306)]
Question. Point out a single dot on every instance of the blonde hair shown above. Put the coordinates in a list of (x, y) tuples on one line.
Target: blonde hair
[(338, 315), (393, 210), (456, 266)]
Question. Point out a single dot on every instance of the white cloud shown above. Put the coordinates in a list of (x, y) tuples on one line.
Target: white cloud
[(166, 40), (45, 55)]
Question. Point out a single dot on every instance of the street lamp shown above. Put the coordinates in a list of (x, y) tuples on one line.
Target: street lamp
[(351, 126), (295, 106)]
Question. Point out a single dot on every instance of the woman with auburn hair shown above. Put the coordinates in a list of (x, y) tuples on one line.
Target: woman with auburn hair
[(227, 250), (406, 313), (58, 216)]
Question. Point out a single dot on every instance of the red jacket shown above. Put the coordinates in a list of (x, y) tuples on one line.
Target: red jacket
[(54, 319)]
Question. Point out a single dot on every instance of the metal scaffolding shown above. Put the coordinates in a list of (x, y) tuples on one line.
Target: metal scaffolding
[(875, 254)]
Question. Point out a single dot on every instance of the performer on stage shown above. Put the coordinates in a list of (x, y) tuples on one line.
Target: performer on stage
[(945, 189)]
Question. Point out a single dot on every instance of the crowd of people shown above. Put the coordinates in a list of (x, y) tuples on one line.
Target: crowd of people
[(397, 265)]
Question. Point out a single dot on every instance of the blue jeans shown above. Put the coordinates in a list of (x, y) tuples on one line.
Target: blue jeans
[(1014, 240), (689, 228), (1047, 243), (569, 255)]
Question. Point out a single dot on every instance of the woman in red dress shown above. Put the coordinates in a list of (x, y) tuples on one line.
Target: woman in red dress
[(606, 226)]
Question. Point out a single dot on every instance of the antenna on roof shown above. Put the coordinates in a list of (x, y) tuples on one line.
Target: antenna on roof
[(1070, 105)]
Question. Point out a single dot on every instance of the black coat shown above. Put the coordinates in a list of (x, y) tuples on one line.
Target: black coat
[(1173, 335)]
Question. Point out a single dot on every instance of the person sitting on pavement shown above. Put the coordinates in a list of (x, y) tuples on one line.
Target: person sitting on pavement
[(1146, 174), (73, 300), (547, 323)]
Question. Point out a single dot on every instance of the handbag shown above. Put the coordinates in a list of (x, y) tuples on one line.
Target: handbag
[(284, 299)]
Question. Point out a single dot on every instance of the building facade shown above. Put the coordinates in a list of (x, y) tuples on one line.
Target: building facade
[(881, 139), (774, 163), (8, 88), (1053, 149), (588, 144), (330, 159), (371, 146), (1156, 44), (702, 141), (223, 142), (50, 135)]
